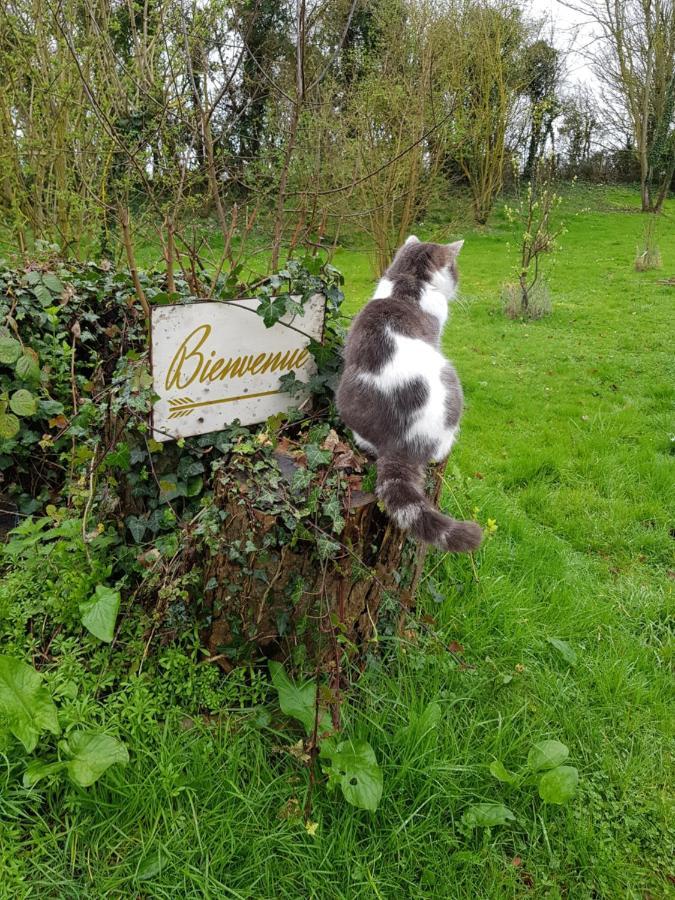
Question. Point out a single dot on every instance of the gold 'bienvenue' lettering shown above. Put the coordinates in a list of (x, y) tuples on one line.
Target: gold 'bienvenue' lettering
[(190, 363)]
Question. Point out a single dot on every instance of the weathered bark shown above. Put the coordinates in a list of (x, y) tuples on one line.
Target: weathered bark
[(299, 608)]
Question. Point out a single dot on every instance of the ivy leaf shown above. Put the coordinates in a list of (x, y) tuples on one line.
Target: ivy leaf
[(91, 755), (99, 613), (298, 700), (9, 426), (559, 785), (194, 486), (25, 702), (326, 548), (137, 526), (501, 773), (23, 403), (333, 509), (547, 755), (354, 764), (316, 456), (486, 815), (170, 488), (564, 649), (53, 282), (10, 350), (43, 295), (27, 368)]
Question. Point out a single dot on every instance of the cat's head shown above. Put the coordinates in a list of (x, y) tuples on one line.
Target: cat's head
[(435, 264)]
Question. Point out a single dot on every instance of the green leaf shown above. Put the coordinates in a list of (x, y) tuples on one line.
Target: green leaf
[(23, 403), (326, 548), (194, 486), (9, 426), (43, 295), (37, 770), (91, 754), (547, 755), (25, 702), (298, 700), (354, 764), (564, 649), (10, 350), (333, 509), (53, 282), (27, 368), (99, 613), (430, 718), (137, 526), (316, 456), (486, 815), (150, 866), (559, 785), (501, 773)]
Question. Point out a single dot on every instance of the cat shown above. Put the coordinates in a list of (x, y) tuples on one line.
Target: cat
[(400, 396)]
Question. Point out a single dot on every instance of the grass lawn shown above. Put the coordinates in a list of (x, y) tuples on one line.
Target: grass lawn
[(567, 444)]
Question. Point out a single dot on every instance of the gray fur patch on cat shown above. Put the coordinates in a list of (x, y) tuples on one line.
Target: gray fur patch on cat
[(398, 393)]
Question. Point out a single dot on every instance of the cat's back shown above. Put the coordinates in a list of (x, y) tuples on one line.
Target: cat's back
[(371, 338)]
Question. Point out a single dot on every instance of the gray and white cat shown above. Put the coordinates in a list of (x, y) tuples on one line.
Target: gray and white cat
[(400, 395)]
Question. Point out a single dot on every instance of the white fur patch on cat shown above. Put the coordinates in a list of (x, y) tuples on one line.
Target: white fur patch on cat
[(412, 359), (364, 444), (384, 288), (433, 302)]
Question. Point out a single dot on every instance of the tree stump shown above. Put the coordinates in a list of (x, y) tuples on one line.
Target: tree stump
[(289, 604)]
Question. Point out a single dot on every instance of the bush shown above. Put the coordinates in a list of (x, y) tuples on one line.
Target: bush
[(539, 301), (649, 257)]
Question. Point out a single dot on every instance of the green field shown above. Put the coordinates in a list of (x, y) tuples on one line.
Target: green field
[(567, 445)]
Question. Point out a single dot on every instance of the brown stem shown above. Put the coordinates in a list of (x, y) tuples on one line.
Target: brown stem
[(169, 253), (123, 213)]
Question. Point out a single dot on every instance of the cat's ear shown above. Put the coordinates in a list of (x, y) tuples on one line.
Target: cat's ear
[(455, 248), (413, 239)]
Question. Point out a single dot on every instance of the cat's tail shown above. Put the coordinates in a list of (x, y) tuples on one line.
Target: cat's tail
[(400, 488)]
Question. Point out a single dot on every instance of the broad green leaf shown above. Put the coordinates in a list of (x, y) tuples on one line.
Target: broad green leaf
[(501, 773), (43, 294), (559, 785), (486, 815), (564, 649), (91, 754), (9, 426), (10, 350), (25, 702), (298, 700), (430, 717), (99, 613), (355, 764), (37, 770), (27, 368), (547, 755), (149, 866), (53, 282), (194, 486), (23, 403)]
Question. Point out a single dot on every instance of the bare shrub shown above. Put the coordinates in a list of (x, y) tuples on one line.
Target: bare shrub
[(649, 256), (539, 301)]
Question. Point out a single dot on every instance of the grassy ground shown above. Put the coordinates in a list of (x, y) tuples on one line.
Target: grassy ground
[(565, 443)]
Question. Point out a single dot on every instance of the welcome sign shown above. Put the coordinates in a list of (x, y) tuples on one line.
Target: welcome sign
[(213, 363)]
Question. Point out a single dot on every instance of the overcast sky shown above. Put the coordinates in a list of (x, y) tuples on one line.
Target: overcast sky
[(571, 32)]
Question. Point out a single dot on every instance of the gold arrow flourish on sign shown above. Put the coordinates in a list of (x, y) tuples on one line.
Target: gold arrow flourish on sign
[(183, 406)]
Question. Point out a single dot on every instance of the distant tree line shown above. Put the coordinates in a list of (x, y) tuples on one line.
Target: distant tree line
[(307, 118)]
